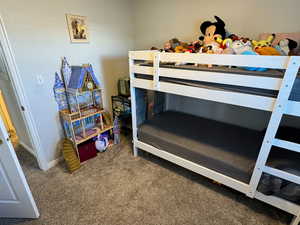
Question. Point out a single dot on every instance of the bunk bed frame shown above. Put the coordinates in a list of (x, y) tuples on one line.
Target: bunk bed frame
[(278, 106)]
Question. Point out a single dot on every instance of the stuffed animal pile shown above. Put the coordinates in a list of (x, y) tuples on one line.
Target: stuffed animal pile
[(215, 40)]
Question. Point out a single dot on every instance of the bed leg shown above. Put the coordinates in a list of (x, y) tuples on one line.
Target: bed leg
[(296, 220), (135, 151)]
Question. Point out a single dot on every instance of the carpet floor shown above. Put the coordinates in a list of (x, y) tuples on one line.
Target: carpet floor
[(116, 188)]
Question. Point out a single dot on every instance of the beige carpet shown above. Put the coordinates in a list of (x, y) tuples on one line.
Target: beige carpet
[(117, 189)]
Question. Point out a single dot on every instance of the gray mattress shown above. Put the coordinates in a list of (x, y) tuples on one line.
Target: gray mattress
[(295, 93), (228, 149)]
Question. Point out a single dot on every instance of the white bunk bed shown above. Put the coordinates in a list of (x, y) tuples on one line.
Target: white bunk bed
[(155, 77)]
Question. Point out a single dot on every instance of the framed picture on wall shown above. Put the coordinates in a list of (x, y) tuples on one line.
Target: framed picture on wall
[(78, 28)]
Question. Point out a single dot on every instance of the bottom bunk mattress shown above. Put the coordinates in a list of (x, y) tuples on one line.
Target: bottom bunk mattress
[(225, 148)]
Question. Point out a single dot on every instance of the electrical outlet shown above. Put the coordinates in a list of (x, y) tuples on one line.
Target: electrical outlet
[(40, 79)]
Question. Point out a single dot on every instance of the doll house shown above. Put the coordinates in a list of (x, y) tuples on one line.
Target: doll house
[(83, 120)]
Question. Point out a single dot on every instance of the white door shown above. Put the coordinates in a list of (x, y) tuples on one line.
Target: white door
[(15, 196)]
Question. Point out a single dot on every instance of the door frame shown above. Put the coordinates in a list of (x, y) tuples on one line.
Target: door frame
[(22, 99)]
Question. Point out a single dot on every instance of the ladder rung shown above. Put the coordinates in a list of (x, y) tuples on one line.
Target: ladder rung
[(287, 145), (282, 174)]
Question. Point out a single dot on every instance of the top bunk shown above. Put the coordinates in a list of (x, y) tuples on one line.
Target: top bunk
[(229, 79)]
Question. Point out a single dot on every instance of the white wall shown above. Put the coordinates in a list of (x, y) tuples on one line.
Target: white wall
[(39, 37), (158, 21)]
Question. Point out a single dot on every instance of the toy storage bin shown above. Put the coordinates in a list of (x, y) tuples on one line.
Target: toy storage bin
[(87, 150)]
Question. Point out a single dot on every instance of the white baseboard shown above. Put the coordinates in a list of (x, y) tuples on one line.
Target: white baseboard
[(54, 162), (31, 151), (27, 148)]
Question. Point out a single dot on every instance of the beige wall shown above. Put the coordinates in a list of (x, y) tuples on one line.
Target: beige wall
[(157, 21), (39, 37)]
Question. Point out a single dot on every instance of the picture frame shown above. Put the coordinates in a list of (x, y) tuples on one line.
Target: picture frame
[(78, 28)]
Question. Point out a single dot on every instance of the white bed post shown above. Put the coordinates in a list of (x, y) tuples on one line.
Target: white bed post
[(133, 106), (156, 61), (296, 220), (278, 110)]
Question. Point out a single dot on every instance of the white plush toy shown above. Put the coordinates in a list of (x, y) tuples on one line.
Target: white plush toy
[(101, 143)]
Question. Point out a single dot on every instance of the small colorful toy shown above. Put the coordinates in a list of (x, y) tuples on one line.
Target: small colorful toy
[(263, 43)]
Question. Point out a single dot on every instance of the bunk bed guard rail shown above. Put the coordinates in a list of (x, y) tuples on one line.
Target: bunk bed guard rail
[(156, 71)]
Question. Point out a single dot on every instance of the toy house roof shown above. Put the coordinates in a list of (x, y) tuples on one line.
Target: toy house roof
[(78, 75)]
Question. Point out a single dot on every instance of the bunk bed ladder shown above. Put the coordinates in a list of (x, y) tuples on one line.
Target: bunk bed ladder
[(280, 108)]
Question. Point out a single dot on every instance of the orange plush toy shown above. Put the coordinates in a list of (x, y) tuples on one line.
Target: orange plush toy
[(267, 51)]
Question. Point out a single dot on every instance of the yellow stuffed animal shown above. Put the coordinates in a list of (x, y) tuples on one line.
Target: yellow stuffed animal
[(263, 43)]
